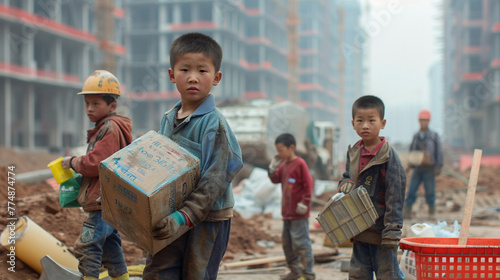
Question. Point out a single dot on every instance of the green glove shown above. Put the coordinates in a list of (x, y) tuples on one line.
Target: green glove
[(168, 226)]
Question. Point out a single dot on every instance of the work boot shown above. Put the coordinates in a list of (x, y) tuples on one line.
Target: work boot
[(307, 276), (291, 276), (124, 276), (89, 278), (407, 211), (432, 211)]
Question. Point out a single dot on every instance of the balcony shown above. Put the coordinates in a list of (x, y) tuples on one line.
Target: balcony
[(472, 77), (495, 63), (39, 75), (473, 19), (472, 50), (255, 94), (496, 27), (35, 22)]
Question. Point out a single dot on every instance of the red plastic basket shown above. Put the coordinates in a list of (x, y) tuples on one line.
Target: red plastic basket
[(443, 258)]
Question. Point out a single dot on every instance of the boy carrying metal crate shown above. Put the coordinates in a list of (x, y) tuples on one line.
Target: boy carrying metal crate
[(374, 164)]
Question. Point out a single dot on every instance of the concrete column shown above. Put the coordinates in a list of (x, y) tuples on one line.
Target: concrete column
[(7, 114), (30, 118), (58, 58), (163, 48), (243, 84), (216, 14), (85, 62), (85, 17), (56, 119), (6, 43), (163, 72), (151, 116), (30, 6), (162, 17), (177, 13), (30, 52), (195, 12), (57, 11)]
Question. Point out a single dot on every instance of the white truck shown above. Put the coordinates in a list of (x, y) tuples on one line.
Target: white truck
[(257, 123)]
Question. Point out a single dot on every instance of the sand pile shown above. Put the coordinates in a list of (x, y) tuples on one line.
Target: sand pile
[(26, 161), (41, 204)]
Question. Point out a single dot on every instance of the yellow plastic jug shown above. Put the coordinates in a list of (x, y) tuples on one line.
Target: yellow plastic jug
[(60, 174)]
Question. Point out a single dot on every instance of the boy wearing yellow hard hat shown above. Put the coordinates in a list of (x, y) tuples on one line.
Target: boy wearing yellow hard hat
[(99, 244)]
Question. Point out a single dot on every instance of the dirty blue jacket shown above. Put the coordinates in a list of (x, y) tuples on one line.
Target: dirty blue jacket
[(207, 135), (385, 181)]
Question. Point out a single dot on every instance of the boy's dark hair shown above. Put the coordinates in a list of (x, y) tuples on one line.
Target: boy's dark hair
[(368, 102), (286, 139), (196, 43), (109, 99)]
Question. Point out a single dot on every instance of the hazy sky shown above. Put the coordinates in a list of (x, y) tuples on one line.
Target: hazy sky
[(404, 43)]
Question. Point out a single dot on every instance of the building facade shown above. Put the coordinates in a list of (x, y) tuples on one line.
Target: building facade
[(351, 65), (472, 74), (256, 43), (47, 49), (252, 34)]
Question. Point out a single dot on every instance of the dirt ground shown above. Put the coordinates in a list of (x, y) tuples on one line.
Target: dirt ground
[(257, 237)]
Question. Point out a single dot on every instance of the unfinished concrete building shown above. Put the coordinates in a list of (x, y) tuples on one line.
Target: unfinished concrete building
[(264, 43), (472, 74), (251, 33), (319, 60), (47, 49)]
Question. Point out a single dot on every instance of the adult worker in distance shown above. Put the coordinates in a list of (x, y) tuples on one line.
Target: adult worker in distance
[(428, 142)]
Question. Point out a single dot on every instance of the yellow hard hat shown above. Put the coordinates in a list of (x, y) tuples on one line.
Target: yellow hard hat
[(101, 82)]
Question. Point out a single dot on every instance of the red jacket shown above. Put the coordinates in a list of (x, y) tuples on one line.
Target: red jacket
[(110, 134), (297, 186)]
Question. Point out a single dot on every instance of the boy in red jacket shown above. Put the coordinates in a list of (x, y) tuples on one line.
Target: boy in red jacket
[(99, 244), (297, 187)]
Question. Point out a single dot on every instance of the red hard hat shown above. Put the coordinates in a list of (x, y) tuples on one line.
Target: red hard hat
[(424, 115)]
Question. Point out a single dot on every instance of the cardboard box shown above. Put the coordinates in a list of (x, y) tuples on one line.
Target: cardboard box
[(143, 183)]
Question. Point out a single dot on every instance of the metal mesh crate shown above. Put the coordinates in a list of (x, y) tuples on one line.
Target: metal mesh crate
[(348, 216)]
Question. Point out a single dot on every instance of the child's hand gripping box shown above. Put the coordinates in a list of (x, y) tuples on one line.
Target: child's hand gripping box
[(144, 182), (346, 217)]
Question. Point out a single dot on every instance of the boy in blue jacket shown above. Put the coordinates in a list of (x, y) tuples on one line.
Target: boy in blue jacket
[(375, 165), (197, 125)]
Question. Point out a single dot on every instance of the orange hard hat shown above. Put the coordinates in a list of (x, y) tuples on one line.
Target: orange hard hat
[(101, 82), (424, 115)]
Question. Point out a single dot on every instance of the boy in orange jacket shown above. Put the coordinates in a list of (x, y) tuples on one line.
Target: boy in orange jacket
[(99, 244)]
